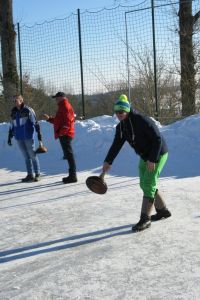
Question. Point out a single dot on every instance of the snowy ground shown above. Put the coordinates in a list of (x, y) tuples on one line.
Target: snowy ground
[(64, 242)]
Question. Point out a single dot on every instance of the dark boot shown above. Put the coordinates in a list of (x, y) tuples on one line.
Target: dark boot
[(145, 219), (144, 222), (161, 211), (37, 177), (70, 179), (28, 178)]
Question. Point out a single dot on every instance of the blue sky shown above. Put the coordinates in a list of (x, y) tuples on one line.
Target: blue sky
[(103, 40), (39, 57), (36, 11)]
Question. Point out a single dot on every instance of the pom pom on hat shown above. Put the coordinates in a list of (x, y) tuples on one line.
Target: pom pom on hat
[(123, 97), (122, 104)]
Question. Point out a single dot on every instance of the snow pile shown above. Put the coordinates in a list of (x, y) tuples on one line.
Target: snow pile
[(65, 242)]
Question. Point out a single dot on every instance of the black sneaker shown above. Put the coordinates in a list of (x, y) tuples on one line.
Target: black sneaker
[(37, 177), (28, 178), (144, 223), (163, 213), (70, 179)]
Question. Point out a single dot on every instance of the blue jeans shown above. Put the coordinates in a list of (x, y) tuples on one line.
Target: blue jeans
[(31, 159)]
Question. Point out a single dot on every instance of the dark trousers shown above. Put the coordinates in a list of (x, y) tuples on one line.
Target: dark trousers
[(65, 142)]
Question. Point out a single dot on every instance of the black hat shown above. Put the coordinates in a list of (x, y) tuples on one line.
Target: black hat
[(59, 94)]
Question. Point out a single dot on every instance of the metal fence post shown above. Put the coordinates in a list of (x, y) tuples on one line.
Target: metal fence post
[(154, 55), (20, 59), (81, 63), (127, 59)]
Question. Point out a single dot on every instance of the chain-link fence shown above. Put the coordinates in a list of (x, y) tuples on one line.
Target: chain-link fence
[(93, 56)]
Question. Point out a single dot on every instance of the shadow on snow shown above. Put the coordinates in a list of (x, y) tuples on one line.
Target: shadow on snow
[(78, 240)]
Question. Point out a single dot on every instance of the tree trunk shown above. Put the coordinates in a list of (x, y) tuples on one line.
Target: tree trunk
[(8, 51), (188, 84)]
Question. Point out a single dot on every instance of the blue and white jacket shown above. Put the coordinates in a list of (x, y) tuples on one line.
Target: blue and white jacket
[(23, 122)]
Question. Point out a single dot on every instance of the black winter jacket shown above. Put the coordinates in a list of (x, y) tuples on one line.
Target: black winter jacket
[(142, 134)]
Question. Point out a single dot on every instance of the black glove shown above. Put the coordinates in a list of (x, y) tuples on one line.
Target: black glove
[(39, 136), (9, 141), (10, 135)]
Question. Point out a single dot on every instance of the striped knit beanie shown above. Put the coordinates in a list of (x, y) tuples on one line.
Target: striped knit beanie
[(122, 104)]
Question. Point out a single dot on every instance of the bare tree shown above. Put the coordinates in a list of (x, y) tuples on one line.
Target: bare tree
[(10, 77), (187, 23)]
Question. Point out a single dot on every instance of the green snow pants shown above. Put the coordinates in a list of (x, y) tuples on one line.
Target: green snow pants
[(148, 180)]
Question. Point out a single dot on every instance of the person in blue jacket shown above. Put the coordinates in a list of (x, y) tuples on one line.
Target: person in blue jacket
[(22, 126), (144, 137)]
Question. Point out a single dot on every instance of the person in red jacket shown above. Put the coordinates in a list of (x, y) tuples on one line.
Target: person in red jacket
[(63, 123)]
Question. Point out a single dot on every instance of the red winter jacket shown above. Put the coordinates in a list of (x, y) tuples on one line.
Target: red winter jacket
[(64, 120)]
